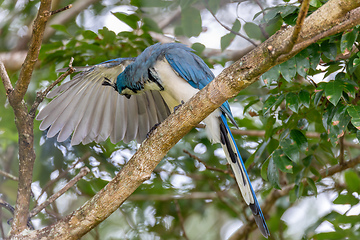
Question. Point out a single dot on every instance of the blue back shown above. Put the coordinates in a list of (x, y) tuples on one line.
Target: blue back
[(181, 58)]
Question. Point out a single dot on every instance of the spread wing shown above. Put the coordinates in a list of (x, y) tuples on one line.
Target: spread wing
[(90, 111)]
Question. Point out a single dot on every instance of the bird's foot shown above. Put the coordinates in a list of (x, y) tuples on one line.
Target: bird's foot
[(152, 130), (178, 106)]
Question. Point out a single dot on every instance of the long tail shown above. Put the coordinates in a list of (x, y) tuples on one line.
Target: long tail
[(242, 178)]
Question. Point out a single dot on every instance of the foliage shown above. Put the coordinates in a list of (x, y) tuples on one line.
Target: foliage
[(307, 107)]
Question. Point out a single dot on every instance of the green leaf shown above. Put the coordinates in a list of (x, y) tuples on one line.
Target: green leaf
[(269, 103), (292, 101), (291, 149), (288, 69), (152, 3), (282, 162), (253, 31), (329, 50), (335, 66), (198, 47), (273, 174), (333, 91), (150, 25), (87, 34), (346, 199), (348, 40), (130, 19), (269, 127), (60, 28), (302, 63), (300, 139), (315, 3), (227, 39), (338, 124), (314, 55), (312, 185), (213, 5), (271, 76), (317, 96), (304, 97), (354, 112), (264, 168), (352, 181), (191, 21)]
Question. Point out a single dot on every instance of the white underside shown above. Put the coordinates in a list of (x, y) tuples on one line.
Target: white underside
[(176, 89)]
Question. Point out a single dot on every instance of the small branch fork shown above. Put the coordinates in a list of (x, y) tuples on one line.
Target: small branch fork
[(299, 23), (233, 32)]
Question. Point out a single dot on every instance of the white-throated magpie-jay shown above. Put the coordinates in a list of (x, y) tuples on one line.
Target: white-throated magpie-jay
[(150, 87)]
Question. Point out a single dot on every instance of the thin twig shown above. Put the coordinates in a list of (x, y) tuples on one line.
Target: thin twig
[(42, 94), (260, 6), (61, 9), (62, 174), (8, 175), (5, 79), (233, 32), (7, 206), (170, 197), (206, 166), (11, 209), (83, 172), (181, 219)]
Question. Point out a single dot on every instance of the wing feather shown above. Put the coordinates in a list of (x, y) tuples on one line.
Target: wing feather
[(93, 112)]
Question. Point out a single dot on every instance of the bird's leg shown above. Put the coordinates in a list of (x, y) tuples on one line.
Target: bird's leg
[(178, 106), (152, 130)]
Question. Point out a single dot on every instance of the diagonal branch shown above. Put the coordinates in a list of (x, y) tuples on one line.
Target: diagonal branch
[(56, 195)]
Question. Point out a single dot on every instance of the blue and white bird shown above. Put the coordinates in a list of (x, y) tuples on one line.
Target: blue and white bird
[(147, 89)]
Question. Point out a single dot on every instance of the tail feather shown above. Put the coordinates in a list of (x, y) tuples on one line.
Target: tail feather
[(241, 176)]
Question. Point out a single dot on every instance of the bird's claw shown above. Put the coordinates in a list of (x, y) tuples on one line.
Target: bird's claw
[(152, 130), (178, 106)]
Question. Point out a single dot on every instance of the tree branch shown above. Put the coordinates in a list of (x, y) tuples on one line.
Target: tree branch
[(5, 79), (25, 123), (8, 175)]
